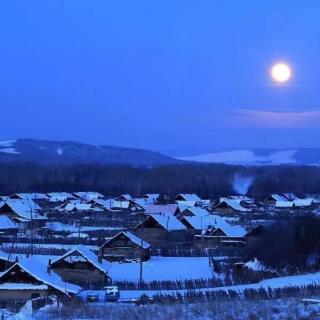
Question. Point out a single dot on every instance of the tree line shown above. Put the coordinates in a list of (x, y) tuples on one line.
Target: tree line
[(207, 180)]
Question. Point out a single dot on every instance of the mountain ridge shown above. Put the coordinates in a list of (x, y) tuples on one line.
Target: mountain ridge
[(72, 152), (289, 156)]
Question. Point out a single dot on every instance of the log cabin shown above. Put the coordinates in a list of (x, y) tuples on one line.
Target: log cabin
[(82, 267), (162, 230), (29, 279), (125, 246)]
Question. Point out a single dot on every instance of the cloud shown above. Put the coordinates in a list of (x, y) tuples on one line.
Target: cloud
[(277, 119)]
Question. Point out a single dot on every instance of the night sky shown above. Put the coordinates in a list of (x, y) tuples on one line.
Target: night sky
[(172, 76)]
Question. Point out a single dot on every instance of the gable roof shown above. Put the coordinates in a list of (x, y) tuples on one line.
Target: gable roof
[(59, 196), (197, 211), (6, 223), (26, 209), (189, 197), (164, 209), (132, 237), (31, 196), (153, 196), (277, 197), (125, 197), (38, 270), (88, 195), (233, 204), (168, 222), (216, 222), (87, 254)]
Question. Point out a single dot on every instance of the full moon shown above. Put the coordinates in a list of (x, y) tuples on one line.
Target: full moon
[(281, 72)]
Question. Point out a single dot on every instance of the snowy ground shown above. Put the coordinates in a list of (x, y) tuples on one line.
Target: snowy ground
[(292, 309), (163, 268)]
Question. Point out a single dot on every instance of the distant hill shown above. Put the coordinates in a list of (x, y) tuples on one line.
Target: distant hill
[(67, 152), (259, 157)]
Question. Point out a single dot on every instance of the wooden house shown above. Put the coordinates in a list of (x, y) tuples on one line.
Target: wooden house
[(231, 207), (7, 226), (125, 246), (25, 213), (163, 230), (82, 267), (29, 279)]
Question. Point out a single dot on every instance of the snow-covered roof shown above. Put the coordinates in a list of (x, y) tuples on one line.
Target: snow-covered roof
[(167, 221), (189, 197), (215, 221), (87, 254), (234, 204), (153, 196), (26, 209), (78, 235), (75, 205), (59, 196), (197, 211), (284, 204), (39, 271), (88, 195), (255, 265), (138, 241), (125, 196), (186, 203), (6, 223), (31, 196), (303, 202), (143, 201), (278, 197), (157, 208)]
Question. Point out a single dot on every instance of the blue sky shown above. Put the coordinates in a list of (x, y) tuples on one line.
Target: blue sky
[(173, 76)]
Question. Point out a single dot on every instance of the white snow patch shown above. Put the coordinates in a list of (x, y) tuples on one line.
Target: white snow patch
[(59, 151), (244, 157), (7, 143), (9, 150), (163, 268)]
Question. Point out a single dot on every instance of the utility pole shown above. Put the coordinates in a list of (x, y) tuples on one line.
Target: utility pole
[(31, 232), (141, 249)]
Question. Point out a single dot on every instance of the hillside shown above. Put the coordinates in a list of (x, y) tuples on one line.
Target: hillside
[(259, 157), (67, 152)]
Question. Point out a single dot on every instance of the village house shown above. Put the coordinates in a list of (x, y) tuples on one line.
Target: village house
[(284, 197), (29, 279), (82, 267), (124, 197), (213, 230), (77, 205), (152, 197), (7, 226), (187, 197), (35, 196), (125, 246), (193, 211), (167, 209), (163, 230), (24, 213), (231, 207), (59, 196), (88, 195), (7, 260)]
